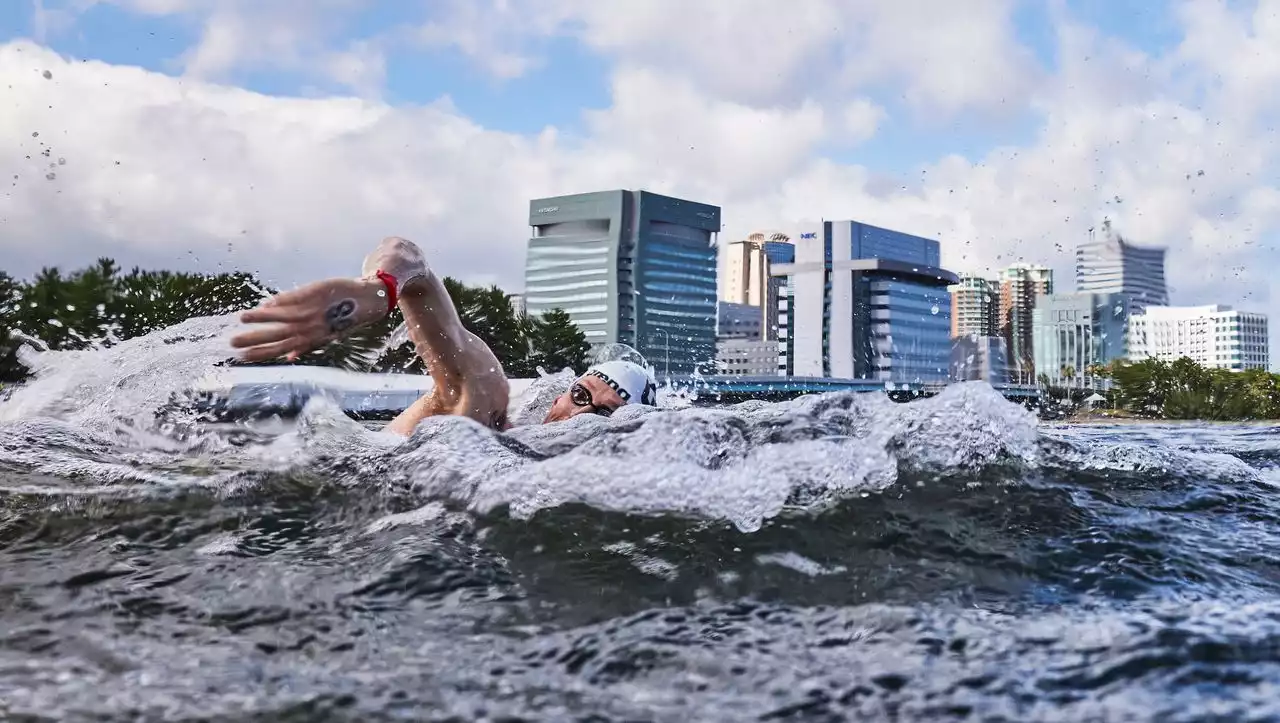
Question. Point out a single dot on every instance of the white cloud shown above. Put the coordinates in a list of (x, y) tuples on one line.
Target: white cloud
[(763, 52), (861, 119), (296, 36), (301, 188), (662, 130)]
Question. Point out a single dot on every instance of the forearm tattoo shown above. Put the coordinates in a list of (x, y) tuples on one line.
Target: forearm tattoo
[(341, 315)]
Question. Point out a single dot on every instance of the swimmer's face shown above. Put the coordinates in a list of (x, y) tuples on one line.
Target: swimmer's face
[(588, 395)]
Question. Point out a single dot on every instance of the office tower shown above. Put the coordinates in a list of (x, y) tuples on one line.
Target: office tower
[(744, 267), (745, 277), (777, 250), (629, 267), (742, 347), (863, 302), (742, 273), (1107, 264), (738, 321), (975, 307), (1020, 286), (1075, 332), (1212, 336)]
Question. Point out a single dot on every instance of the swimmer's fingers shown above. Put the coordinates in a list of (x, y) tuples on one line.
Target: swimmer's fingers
[(279, 313), (294, 347), (316, 292), (264, 335)]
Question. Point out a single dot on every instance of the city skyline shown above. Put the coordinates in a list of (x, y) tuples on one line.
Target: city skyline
[(845, 299)]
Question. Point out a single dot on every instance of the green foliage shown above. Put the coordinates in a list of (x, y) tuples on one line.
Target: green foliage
[(100, 305), (1185, 390), (487, 313), (555, 342)]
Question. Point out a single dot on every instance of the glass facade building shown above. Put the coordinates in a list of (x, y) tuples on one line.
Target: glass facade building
[(1074, 332), (863, 302), (1107, 264), (629, 267)]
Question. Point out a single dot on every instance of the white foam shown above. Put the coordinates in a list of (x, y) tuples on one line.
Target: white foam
[(798, 563), (743, 464)]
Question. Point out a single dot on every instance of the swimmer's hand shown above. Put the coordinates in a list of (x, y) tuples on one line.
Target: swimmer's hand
[(400, 258), (296, 322)]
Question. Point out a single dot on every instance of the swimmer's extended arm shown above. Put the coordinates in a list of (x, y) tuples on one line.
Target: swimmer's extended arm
[(468, 380)]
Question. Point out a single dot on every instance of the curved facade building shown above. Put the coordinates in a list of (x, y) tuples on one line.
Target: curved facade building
[(629, 267), (1107, 264)]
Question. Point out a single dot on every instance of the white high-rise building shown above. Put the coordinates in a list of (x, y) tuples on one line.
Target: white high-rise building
[(1212, 336), (744, 267), (742, 273), (975, 304)]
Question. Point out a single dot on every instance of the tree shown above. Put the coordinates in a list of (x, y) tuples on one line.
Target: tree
[(487, 313), (1186, 390), (99, 306), (10, 298), (555, 342)]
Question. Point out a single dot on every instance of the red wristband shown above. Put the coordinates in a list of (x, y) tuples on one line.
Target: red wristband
[(390, 282)]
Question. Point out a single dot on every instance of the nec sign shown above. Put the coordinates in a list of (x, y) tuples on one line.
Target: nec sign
[(811, 234)]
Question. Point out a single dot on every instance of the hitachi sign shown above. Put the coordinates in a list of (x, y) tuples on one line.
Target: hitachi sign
[(548, 209)]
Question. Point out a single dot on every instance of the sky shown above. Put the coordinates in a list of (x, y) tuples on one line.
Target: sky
[(287, 137)]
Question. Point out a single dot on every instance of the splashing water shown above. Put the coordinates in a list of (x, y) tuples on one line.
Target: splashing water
[(123, 385), (832, 557)]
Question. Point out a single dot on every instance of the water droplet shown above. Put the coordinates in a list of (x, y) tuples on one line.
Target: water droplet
[(47, 75), (934, 310), (35, 134), (62, 161), (51, 176)]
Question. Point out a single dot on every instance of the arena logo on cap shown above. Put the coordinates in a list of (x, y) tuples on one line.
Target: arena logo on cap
[(621, 391), (648, 395)]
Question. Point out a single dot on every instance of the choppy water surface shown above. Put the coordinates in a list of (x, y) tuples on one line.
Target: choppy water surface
[(832, 558)]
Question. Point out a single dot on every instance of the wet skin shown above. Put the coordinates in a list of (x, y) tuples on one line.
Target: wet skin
[(603, 400)]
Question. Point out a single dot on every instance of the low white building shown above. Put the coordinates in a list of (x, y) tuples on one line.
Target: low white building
[(747, 357), (1212, 336)]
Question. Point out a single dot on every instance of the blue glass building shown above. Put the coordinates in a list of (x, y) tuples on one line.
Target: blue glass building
[(1074, 332), (629, 267), (863, 302)]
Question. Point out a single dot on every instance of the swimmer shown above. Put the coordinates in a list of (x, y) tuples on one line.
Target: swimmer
[(469, 380)]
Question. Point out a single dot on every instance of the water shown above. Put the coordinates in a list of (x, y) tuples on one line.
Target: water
[(833, 558)]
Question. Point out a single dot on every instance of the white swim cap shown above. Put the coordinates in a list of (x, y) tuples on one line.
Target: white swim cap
[(628, 379)]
